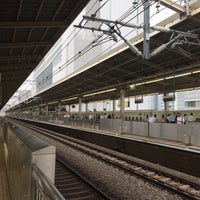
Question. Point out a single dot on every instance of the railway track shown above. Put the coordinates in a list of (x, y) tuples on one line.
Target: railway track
[(69, 182), (187, 189), (72, 186)]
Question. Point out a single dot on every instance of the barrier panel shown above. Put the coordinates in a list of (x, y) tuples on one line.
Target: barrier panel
[(183, 133), (22, 150), (42, 187), (187, 134), (140, 128), (111, 125)]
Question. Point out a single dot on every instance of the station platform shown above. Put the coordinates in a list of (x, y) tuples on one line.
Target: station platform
[(146, 139), (4, 191)]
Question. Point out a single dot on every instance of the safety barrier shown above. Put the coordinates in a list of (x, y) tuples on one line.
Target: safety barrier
[(184, 133), (30, 164), (187, 134), (42, 188)]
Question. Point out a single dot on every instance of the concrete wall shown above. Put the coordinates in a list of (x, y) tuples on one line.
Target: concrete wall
[(22, 149)]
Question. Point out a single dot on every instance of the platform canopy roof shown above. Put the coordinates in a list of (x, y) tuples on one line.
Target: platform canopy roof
[(173, 69), (28, 29)]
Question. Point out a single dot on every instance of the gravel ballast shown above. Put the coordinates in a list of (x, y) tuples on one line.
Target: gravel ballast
[(117, 183)]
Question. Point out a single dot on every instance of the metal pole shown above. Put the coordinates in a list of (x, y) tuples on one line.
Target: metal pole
[(80, 107), (122, 100), (146, 42), (187, 7)]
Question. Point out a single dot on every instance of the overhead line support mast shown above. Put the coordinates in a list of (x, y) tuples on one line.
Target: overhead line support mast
[(178, 37)]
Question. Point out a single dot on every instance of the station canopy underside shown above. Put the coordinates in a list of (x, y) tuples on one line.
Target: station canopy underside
[(28, 29), (125, 69), (171, 70)]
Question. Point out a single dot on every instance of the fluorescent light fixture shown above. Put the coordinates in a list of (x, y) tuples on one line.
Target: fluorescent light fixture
[(137, 84), (147, 82), (53, 102), (183, 90), (161, 79), (179, 75), (69, 99), (95, 93), (153, 81), (132, 87), (195, 72), (169, 77)]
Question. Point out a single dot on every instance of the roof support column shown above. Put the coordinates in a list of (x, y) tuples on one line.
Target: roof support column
[(59, 107), (122, 100), (47, 110), (39, 110), (114, 105), (32, 112), (166, 107), (86, 107), (80, 107), (69, 108)]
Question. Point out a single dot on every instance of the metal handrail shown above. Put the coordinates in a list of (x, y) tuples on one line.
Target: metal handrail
[(42, 187)]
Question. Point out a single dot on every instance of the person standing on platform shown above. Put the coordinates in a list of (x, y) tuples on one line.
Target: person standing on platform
[(172, 118), (180, 119), (185, 118), (190, 117), (168, 118), (151, 118)]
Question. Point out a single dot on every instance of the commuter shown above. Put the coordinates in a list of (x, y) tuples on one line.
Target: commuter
[(105, 116), (172, 118), (155, 116), (101, 116), (90, 117), (185, 118), (112, 116), (191, 118), (180, 119), (168, 118), (151, 118)]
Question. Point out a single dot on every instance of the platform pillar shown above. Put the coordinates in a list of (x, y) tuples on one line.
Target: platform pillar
[(86, 107), (80, 107), (59, 108), (114, 105), (47, 109), (122, 100)]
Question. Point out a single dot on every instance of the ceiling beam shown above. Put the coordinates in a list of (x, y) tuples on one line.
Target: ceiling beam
[(21, 57), (18, 66), (32, 24), (24, 44)]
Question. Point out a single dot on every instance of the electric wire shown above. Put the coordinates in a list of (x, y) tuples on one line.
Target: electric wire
[(86, 49), (82, 52), (74, 34)]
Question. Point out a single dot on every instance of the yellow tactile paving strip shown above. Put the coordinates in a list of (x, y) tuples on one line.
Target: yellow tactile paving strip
[(4, 194)]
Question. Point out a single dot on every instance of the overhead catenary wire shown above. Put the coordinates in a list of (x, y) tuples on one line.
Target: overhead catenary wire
[(82, 52), (73, 34), (89, 46), (85, 50)]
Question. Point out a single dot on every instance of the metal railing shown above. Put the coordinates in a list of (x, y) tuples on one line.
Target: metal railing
[(42, 188)]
